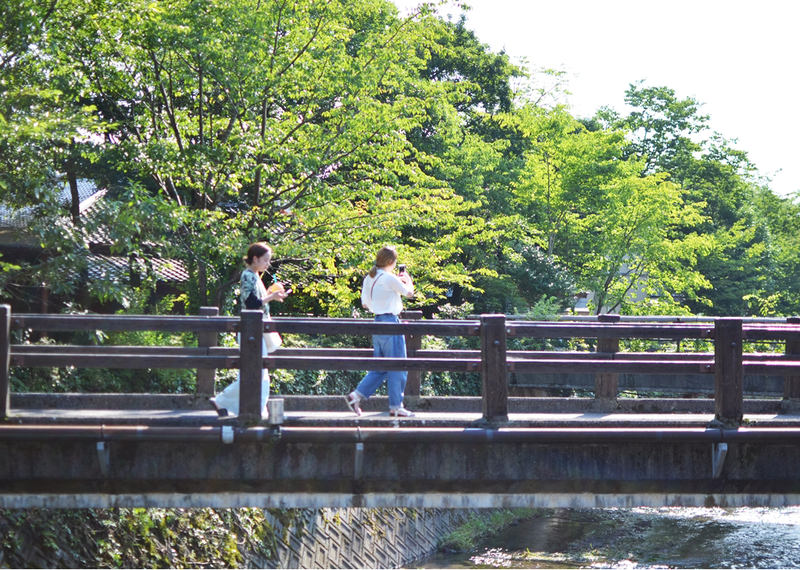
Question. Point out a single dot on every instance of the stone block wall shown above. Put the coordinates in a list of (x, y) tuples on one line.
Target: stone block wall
[(361, 538)]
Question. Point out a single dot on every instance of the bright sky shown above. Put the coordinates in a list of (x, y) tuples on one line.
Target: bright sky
[(739, 58)]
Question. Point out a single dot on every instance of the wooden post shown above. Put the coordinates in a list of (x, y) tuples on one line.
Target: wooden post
[(606, 384), (791, 384), (728, 371), (413, 344), (5, 360), (494, 367), (205, 376), (251, 331)]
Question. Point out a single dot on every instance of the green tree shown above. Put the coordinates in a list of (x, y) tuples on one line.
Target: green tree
[(41, 119), (248, 120), (612, 227), (670, 136), (472, 148), (44, 125), (780, 293), (662, 126)]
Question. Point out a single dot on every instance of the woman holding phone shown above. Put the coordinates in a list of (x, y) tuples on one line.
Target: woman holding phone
[(381, 294)]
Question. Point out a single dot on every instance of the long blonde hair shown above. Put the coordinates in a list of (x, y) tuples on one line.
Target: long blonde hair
[(386, 256)]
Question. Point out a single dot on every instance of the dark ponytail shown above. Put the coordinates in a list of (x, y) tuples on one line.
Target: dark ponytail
[(256, 250)]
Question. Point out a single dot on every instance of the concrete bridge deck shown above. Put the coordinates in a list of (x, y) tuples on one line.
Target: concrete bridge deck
[(382, 419), (633, 452), (323, 411)]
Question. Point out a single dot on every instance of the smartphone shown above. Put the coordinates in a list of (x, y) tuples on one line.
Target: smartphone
[(401, 268)]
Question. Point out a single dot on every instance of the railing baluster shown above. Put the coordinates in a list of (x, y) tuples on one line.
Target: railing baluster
[(494, 364), (413, 344), (251, 365), (606, 384), (728, 370), (205, 376), (494, 367), (791, 384), (5, 360)]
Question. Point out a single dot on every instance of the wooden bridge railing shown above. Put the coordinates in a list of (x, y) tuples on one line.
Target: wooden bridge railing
[(493, 361)]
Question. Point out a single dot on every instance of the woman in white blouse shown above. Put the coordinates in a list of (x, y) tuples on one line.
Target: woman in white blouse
[(382, 294)]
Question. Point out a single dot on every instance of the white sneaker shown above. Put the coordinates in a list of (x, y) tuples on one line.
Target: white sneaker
[(401, 412), (222, 412), (354, 403)]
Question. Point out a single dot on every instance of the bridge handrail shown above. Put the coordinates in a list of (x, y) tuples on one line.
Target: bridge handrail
[(293, 325), (223, 324), (610, 330), (728, 364)]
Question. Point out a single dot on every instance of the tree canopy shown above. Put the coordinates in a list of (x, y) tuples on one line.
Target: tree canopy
[(331, 127)]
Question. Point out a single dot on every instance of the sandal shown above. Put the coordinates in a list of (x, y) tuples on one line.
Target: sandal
[(354, 403), (222, 412), (401, 412)]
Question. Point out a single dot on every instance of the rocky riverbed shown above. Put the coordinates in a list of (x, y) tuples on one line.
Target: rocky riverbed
[(640, 538)]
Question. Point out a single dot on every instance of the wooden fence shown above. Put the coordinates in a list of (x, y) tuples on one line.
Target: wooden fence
[(727, 364)]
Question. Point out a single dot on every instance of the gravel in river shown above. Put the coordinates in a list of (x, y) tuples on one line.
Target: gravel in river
[(640, 538)]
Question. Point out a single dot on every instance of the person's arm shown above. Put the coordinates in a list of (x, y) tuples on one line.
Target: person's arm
[(366, 300), (278, 295), (252, 302), (249, 293), (408, 282), (403, 284)]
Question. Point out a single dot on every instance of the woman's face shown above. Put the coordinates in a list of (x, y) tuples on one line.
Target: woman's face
[(260, 264)]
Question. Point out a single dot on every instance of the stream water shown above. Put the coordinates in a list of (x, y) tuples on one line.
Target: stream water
[(640, 538)]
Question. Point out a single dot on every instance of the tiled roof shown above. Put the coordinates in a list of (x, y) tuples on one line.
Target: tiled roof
[(116, 268), (88, 193), (13, 223)]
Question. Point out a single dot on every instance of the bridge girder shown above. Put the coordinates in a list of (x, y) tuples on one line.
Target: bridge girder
[(471, 470)]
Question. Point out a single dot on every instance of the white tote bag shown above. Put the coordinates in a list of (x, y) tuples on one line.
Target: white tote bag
[(272, 340)]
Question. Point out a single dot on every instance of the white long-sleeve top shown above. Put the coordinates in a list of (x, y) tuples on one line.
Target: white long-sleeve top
[(383, 293)]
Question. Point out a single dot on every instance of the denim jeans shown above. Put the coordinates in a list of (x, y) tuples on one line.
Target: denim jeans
[(386, 346)]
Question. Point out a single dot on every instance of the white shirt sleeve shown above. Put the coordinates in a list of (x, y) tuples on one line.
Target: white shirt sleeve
[(398, 286), (383, 293)]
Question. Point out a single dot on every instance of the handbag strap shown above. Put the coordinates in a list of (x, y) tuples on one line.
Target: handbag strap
[(373, 285)]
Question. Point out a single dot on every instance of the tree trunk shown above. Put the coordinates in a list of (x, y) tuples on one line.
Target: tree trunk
[(75, 203), (202, 284)]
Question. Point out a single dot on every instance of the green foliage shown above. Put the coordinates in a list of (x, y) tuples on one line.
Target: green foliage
[(330, 129), (610, 226), (292, 140), (480, 527), (319, 382), (137, 538), (742, 270), (779, 295), (662, 126), (99, 380), (41, 120)]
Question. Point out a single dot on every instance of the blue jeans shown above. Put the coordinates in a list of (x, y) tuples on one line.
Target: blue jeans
[(386, 346)]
